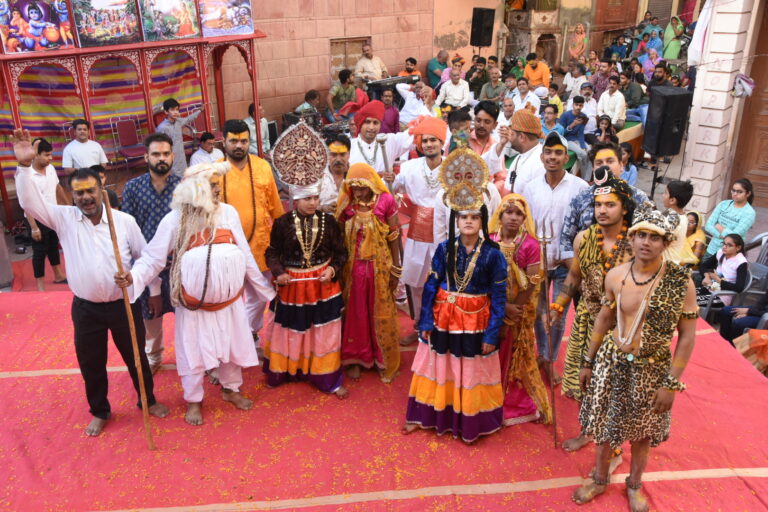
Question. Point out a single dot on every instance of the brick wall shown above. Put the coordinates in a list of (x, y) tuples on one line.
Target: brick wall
[(709, 150), (295, 56)]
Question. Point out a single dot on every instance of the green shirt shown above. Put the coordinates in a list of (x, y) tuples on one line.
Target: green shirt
[(342, 95), (432, 65), (489, 92)]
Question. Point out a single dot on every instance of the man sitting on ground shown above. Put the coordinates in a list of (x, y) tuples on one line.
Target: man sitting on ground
[(454, 93), (538, 75), (612, 104)]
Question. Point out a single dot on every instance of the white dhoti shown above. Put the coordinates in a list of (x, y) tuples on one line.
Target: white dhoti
[(217, 334)]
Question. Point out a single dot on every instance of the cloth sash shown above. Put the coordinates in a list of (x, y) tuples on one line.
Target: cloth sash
[(222, 236), (420, 228)]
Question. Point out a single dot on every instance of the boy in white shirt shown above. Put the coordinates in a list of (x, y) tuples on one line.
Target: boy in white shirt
[(45, 243)]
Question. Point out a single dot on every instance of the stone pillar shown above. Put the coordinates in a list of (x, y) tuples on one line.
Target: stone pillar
[(708, 151)]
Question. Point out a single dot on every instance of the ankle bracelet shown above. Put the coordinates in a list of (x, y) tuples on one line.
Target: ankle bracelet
[(633, 486)]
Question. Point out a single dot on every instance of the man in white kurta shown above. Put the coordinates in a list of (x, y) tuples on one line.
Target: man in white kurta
[(418, 179), (208, 281), (365, 148)]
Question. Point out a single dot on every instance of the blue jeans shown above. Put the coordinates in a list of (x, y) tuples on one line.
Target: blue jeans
[(731, 328), (638, 114), (557, 278)]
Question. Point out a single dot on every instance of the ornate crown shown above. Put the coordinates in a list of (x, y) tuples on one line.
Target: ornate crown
[(464, 176), (300, 156)]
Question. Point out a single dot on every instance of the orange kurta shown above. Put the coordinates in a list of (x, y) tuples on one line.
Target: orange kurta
[(239, 193)]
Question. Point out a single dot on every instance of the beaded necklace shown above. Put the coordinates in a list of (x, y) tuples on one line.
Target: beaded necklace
[(311, 241), (432, 183), (369, 161), (462, 282), (253, 197), (617, 250)]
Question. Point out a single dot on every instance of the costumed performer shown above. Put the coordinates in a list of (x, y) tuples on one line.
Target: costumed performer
[(525, 396), (629, 375), (456, 384), (306, 254), (368, 216), (418, 178), (211, 268)]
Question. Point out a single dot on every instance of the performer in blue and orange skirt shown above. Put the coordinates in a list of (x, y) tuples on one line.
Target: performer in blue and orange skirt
[(456, 385), (306, 255)]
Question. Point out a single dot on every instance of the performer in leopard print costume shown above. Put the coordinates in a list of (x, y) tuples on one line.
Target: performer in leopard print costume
[(629, 375)]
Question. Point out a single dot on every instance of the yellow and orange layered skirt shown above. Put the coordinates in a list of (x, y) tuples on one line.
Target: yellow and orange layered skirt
[(455, 387), (303, 335)]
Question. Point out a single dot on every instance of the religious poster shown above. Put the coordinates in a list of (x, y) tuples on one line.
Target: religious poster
[(35, 25), (105, 22), (226, 17), (168, 19)]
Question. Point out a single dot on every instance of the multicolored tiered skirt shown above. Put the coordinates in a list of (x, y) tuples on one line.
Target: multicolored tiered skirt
[(455, 388), (303, 335)]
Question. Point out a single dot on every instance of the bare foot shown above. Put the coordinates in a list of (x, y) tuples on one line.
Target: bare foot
[(341, 393), (353, 371), (576, 443), (239, 401), (587, 492), (387, 380), (410, 339), (194, 414), (154, 368), (408, 428), (158, 410), (95, 427), (637, 500)]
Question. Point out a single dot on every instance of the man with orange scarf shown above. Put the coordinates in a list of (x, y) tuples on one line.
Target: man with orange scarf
[(367, 213), (419, 179)]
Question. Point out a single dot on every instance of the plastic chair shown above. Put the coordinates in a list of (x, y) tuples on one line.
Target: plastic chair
[(706, 310), (128, 144), (763, 322)]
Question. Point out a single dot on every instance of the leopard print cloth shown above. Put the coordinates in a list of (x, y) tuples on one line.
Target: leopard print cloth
[(618, 403), (591, 260)]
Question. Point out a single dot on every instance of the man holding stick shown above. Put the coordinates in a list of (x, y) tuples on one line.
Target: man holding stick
[(98, 305)]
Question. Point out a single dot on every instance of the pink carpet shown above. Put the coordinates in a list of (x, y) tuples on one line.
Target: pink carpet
[(301, 450)]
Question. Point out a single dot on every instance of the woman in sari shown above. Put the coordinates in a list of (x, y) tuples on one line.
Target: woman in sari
[(655, 43), (650, 63), (367, 213), (519, 68), (525, 397), (672, 38)]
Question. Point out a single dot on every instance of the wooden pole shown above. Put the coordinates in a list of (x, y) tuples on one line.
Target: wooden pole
[(131, 326)]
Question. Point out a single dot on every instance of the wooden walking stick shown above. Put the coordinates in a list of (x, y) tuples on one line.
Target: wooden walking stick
[(381, 140), (131, 326), (546, 237)]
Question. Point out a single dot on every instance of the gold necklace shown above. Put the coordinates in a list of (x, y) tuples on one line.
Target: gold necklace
[(308, 244), (462, 282)]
